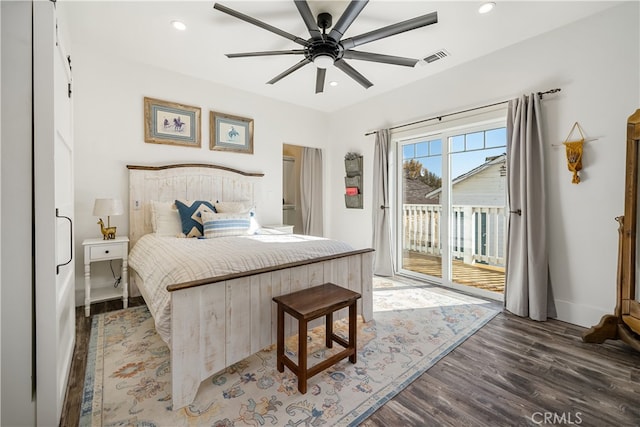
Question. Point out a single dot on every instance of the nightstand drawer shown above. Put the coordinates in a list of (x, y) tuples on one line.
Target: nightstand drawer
[(106, 252)]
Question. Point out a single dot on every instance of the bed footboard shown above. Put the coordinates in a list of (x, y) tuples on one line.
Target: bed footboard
[(217, 323)]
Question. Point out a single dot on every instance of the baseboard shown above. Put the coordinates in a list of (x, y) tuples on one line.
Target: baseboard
[(579, 314)]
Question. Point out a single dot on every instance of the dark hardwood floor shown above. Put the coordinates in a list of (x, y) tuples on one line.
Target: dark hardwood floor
[(518, 372), (512, 372)]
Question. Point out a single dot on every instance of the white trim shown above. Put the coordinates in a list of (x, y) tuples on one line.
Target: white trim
[(479, 118), (579, 314)]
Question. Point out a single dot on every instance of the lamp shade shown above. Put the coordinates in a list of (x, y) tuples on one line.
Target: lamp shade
[(108, 207)]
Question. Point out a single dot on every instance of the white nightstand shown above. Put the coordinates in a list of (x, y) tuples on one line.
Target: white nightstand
[(283, 228), (104, 250)]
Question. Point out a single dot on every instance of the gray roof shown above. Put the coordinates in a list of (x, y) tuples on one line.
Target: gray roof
[(415, 193)]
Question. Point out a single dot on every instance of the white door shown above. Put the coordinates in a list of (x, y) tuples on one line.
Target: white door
[(53, 190)]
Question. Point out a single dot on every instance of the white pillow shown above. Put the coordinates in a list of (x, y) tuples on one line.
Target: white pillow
[(232, 207), (254, 228), (165, 219)]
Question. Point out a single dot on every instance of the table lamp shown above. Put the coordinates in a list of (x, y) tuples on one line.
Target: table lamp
[(107, 207)]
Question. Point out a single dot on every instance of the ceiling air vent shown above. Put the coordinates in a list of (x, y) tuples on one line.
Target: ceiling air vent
[(436, 56)]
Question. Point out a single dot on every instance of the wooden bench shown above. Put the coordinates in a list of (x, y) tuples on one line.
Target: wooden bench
[(309, 304)]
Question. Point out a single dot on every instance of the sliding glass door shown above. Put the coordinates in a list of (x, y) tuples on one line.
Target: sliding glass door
[(451, 205), (421, 215)]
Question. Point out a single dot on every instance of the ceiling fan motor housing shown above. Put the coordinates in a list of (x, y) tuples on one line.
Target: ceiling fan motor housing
[(324, 46), (325, 20), (327, 47)]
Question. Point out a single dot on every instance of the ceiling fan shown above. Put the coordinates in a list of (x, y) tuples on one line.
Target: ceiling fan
[(324, 50)]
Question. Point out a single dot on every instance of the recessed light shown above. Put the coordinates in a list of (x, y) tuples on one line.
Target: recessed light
[(333, 83), (486, 7), (179, 25)]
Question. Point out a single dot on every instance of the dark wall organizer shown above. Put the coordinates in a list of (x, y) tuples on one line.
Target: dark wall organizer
[(353, 181)]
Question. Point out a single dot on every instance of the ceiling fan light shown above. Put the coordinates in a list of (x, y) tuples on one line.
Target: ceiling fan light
[(486, 7), (323, 61)]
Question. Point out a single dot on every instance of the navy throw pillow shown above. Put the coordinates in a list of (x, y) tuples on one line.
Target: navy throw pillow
[(191, 215)]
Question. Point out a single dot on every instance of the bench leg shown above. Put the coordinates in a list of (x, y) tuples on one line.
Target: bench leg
[(302, 356), (353, 328), (329, 330), (280, 343)]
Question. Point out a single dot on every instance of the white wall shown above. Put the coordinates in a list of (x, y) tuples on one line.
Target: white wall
[(596, 63), (109, 134)]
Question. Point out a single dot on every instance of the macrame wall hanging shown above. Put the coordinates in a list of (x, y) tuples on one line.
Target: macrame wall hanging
[(574, 153)]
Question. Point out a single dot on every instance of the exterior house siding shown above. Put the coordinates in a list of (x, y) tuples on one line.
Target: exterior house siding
[(486, 188)]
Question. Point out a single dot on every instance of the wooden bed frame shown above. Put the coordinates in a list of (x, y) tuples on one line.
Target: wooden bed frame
[(222, 320)]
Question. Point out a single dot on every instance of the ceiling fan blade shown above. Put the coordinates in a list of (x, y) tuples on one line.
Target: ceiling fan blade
[(320, 75), (391, 30), (290, 70), (376, 57), (265, 53), (260, 24), (351, 72), (308, 18), (350, 14)]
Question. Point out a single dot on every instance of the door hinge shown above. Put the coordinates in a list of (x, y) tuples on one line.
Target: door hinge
[(69, 89)]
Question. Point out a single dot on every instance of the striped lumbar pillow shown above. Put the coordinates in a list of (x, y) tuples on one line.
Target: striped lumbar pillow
[(230, 224)]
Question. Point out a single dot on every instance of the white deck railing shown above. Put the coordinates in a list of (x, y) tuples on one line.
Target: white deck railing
[(479, 233)]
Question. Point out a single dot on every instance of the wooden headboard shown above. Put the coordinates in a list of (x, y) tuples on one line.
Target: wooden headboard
[(183, 181)]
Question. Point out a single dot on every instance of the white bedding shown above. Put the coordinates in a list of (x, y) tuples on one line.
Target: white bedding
[(161, 261)]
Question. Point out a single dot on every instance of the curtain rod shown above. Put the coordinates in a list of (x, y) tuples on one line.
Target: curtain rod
[(540, 94)]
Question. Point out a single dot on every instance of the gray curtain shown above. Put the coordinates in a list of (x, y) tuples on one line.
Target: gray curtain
[(527, 287), (311, 191), (383, 256)]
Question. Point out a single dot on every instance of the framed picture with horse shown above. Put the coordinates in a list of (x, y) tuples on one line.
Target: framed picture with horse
[(171, 123), (230, 133)]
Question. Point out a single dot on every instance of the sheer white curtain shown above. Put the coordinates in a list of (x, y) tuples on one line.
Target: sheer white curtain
[(383, 257), (311, 191), (528, 287)]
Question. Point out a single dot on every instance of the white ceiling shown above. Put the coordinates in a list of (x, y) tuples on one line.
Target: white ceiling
[(141, 31)]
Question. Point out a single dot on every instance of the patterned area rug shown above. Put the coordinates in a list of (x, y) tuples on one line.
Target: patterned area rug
[(128, 376)]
